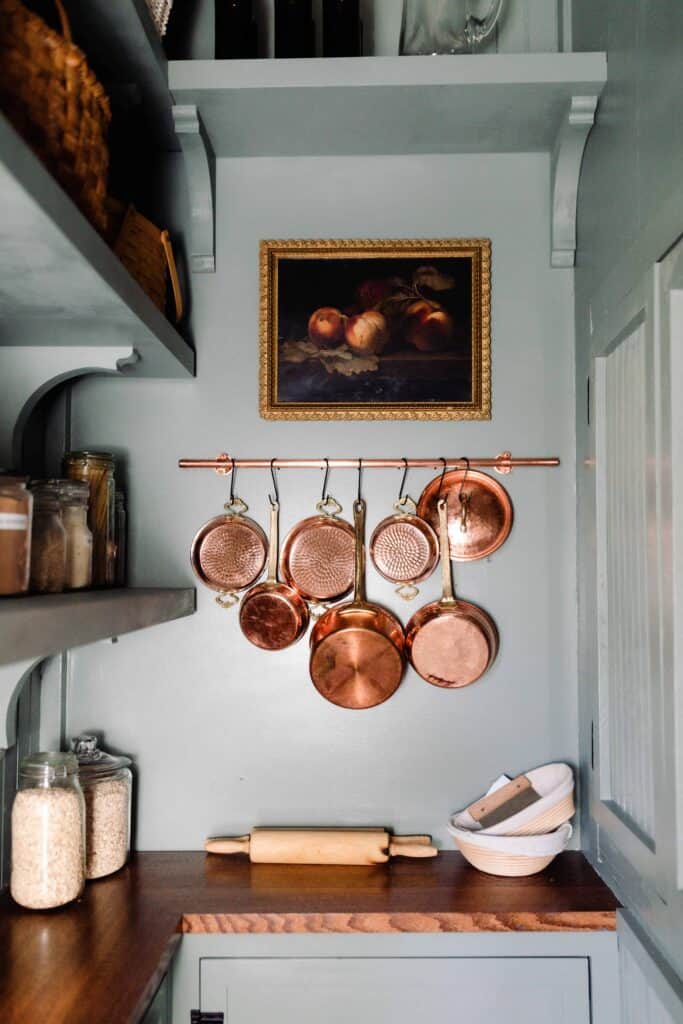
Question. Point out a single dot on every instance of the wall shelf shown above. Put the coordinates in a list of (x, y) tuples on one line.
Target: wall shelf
[(38, 626)]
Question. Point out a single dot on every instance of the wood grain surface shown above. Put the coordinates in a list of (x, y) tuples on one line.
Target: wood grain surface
[(103, 957)]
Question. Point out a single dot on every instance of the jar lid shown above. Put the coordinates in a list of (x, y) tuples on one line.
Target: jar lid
[(73, 491), (94, 763), (86, 454), (48, 765)]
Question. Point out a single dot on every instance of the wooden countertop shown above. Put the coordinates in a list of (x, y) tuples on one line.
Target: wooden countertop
[(103, 957)]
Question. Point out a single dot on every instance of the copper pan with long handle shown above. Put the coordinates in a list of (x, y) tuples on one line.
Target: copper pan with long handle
[(450, 643), (357, 657)]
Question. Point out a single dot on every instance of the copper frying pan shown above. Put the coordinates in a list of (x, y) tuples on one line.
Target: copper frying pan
[(273, 615), (450, 643), (357, 648), (479, 512), (229, 552), (317, 555)]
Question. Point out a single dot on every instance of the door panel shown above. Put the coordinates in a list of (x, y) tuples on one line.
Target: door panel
[(402, 991)]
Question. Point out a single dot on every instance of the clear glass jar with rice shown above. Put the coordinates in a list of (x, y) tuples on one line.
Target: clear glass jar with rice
[(107, 786), (48, 832)]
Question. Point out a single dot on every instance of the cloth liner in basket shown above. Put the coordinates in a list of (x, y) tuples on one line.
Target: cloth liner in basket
[(554, 784), (511, 855)]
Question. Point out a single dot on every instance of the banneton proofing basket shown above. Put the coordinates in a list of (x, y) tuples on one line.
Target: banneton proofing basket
[(554, 784), (511, 856)]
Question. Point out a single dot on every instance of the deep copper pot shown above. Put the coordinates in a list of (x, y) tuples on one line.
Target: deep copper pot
[(357, 658)]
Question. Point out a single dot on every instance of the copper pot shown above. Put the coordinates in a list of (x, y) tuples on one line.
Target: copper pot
[(229, 552), (404, 548), (273, 615), (479, 512), (357, 648), (317, 555), (450, 643)]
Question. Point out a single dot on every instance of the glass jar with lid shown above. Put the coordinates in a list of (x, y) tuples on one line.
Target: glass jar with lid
[(107, 786), (48, 541), (97, 470), (16, 514), (74, 496), (120, 538), (48, 832)]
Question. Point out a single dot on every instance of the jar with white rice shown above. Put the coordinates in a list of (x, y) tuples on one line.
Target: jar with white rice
[(106, 781)]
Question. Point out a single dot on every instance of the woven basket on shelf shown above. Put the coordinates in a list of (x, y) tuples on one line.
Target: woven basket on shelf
[(160, 11), (147, 254), (56, 103)]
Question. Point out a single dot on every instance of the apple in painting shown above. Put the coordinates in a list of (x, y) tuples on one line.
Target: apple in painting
[(428, 326), (373, 291), (367, 333), (326, 326)]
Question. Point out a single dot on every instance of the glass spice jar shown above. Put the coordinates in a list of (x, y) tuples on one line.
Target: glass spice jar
[(120, 538), (16, 514), (48, 541), (107, 785), (48, 832), (74, 496), (97, 470)]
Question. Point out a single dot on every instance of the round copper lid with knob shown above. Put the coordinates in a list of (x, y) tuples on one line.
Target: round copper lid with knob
[(479, 512), (357, 648), (450, 643), (229, 552), (404, 548)]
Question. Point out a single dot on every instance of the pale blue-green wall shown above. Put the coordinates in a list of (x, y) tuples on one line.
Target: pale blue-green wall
[(226, 736)]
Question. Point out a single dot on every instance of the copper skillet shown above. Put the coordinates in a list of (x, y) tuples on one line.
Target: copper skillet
[(450, 643), (229, 552), (357, 648), (404, 548), (479, 512), (273, 615), (317, 555)]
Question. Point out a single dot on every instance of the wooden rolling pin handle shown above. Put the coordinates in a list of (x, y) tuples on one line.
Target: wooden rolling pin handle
[(424, 840), (227, 844), (405, 849)]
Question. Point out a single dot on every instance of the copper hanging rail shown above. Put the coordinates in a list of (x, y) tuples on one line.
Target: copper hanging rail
[(503, 463)]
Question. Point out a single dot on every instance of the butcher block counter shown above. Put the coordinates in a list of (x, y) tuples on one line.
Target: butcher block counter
[(102, 959)]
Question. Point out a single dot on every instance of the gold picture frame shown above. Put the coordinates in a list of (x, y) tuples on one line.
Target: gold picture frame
[(424, 353)]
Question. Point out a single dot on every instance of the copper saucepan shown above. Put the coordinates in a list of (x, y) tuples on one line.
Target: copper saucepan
[(229, 552), (273, 615), (479, 512), (357, 648), (404, 548), (450, 643)]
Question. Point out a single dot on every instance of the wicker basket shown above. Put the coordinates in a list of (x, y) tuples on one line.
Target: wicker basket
[(147, 254), (160, 11), (56, 103)]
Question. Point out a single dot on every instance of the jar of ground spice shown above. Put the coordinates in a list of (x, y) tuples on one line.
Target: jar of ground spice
[(16, 513), (48, 833), (48, 541), (107, 783), (97, 470)]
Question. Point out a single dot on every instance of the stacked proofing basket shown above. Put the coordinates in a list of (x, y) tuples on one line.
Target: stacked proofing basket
[(520, 825)]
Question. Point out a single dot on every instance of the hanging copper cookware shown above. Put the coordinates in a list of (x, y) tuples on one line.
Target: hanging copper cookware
[(273, 615), (318, 553), (404, 548), (229, 552), (450, 643), (479, 512), (357, 648)]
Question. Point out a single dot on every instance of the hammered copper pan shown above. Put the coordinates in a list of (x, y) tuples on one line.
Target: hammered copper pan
[(357, 648), (479, 512), (450, 643), (317, 555), (273, 615), (229, 552), (404, 548)]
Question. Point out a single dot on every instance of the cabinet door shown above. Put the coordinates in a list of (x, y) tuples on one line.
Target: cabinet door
[(402, 990)]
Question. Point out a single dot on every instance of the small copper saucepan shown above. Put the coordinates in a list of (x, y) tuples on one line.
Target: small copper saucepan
[(273, 615), (357, 648), (450, 643), (229, 552), (404, 548), (317, 555)]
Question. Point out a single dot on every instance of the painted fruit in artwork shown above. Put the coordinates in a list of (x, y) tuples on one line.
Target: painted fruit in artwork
[(428, 326), (367, 333), (373, 291), (326, 326)]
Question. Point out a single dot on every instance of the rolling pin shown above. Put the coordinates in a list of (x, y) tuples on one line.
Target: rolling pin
[(322, 846)]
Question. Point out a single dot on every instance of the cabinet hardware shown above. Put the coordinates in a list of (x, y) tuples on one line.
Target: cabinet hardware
[(206, 1017)]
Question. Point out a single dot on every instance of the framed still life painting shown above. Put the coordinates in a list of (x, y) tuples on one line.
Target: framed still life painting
[(361, 329)]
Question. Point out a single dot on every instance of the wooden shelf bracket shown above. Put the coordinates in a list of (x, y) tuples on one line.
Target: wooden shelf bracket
[(199, 169), (565, 170)]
